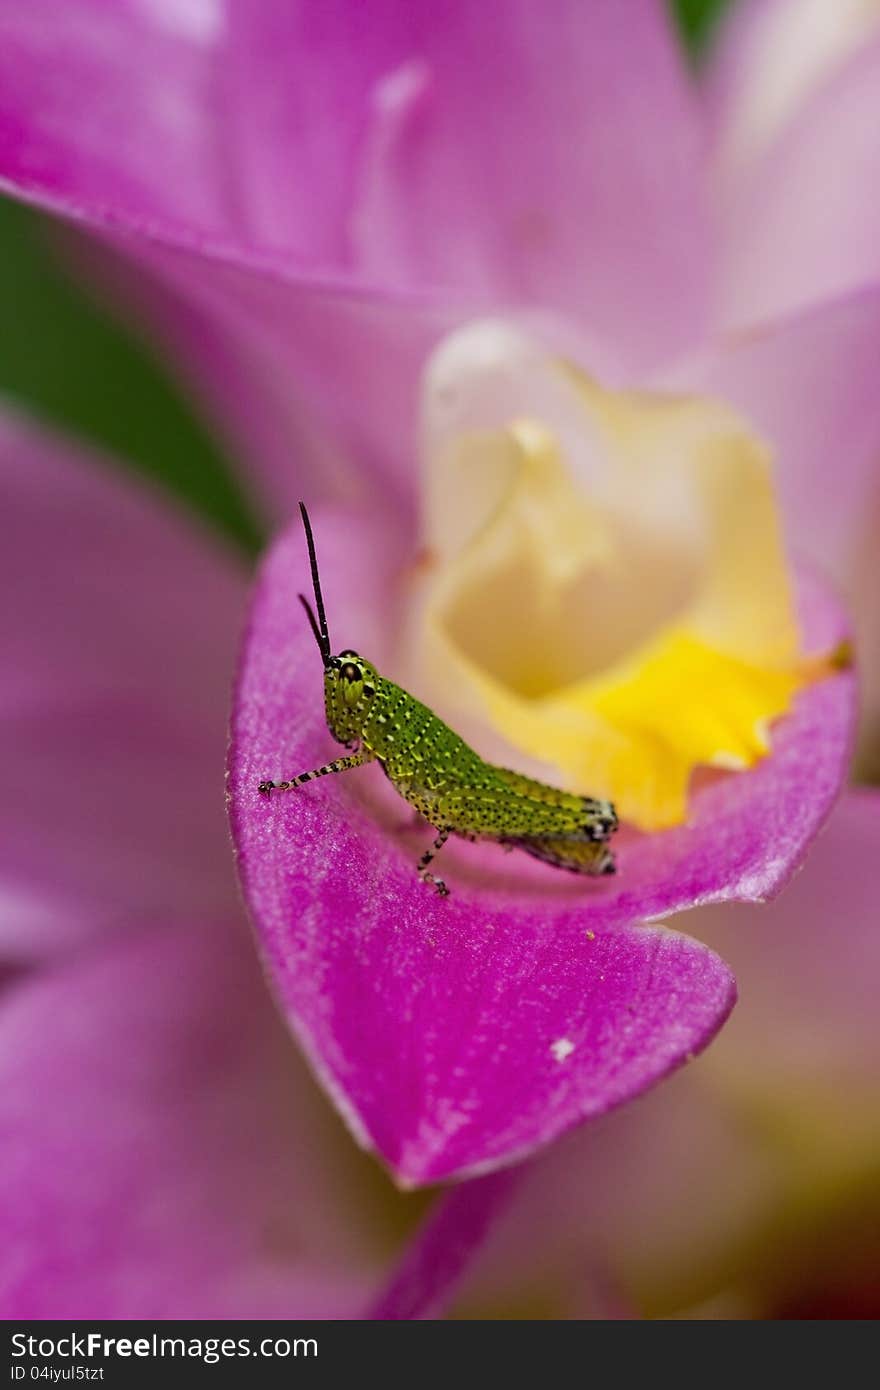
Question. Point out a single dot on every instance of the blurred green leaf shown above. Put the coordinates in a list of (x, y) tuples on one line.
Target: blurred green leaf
[(66, 361), (697, 18)]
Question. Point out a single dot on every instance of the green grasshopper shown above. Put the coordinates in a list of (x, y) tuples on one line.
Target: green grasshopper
[(436, 772)]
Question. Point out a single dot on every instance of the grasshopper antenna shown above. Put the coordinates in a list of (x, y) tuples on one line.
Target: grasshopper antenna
[(319, 624)]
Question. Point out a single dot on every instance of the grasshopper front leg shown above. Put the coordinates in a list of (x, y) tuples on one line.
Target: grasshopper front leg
[(338, 765)]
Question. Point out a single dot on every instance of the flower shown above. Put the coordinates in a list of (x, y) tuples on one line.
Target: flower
[(625, 243), (604, 575), (326, 322), (163, 1151), (291, 243), (435, 1023)]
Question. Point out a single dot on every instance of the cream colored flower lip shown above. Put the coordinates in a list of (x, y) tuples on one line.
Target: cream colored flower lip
[(605, 591)]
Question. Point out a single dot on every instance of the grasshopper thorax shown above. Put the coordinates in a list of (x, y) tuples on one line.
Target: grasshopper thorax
[(350, 684)]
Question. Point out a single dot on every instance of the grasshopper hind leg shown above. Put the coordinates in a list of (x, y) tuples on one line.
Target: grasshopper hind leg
[(589, 857)]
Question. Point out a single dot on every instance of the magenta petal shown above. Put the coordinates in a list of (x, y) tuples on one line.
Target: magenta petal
[(454, 1035), (433, 1264), (116, 653), (779, 1119), (163, 1152)]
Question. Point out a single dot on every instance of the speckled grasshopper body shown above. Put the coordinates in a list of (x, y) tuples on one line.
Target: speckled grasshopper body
[(439, 774)]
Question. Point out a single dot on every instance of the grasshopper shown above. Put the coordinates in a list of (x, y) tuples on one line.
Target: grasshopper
[(433, 769)]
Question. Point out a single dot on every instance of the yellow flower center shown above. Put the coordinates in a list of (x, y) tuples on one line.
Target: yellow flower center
[(605, 588)]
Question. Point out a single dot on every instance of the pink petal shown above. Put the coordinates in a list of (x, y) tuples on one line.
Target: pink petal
[(111, 110), (505, 153), (766, 58), (302, 377), (661, 1193), (433, 1263), (695, 1187), (315, 387), (164, 1154), (798, 212), (115, 659), (323, 214), (809, 385), (442, 1028), (810, 978), (495, 154)]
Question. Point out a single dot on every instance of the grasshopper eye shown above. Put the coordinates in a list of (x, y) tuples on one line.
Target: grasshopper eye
[(350, 672)]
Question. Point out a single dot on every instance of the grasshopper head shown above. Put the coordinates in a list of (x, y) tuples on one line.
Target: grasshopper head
[(350, 683)]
